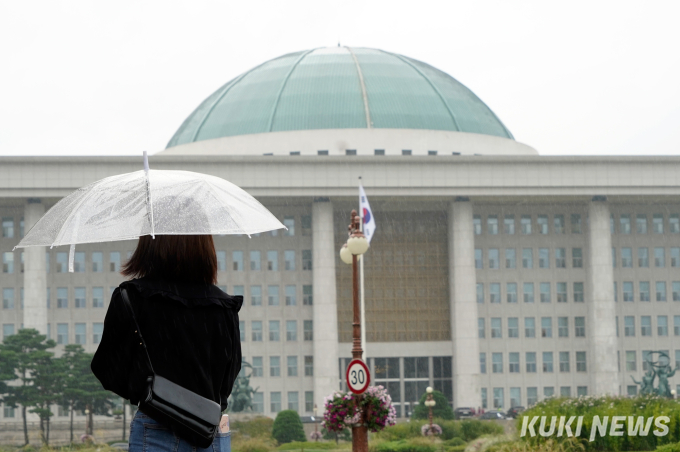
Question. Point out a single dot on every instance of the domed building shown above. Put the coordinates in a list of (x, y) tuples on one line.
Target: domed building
[(495, 275)]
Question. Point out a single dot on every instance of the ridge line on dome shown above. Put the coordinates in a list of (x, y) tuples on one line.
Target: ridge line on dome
[(432, 85), (270, 123), (367, 111), (220, 97)]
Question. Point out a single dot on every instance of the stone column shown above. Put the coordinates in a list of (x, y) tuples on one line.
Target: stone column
[(35, 278), (463, 302), (326, 352), (601, 308)]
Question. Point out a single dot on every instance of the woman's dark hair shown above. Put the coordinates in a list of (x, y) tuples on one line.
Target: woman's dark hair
[(186, 258)]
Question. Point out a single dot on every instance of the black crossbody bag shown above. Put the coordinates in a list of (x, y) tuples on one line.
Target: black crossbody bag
[(193, 417)]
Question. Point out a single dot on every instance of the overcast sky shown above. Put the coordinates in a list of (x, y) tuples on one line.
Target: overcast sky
[(103, 78)]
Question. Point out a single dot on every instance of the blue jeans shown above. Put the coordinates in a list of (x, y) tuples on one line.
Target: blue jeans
[(147, 435)]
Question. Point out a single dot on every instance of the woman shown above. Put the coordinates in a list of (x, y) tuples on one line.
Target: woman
[(190, 328)]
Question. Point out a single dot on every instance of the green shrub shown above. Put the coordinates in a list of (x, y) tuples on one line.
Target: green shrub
[(460, 448), (251, 445), (669, 448), (296, 445), (441, 410), (454, 442), (412, 445), (260, 427), (288, 427), (473, 429), (402, 431)]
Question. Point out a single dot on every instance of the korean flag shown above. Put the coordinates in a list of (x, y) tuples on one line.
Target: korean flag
[(366, 214)]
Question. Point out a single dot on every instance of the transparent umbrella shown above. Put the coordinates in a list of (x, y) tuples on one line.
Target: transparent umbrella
[(150, 202)]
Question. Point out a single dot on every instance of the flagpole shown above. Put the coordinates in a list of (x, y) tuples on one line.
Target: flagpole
[(361, 288)]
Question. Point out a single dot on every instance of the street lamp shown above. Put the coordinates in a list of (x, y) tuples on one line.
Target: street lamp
[(430, 402), (350, 253), (316, 425)]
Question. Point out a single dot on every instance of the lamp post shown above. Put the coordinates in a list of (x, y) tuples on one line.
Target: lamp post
[(350, 253), (430, 402), (316, 425)]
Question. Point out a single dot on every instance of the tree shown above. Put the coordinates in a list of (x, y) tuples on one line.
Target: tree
[(23, 350), (47, 383), (288, 427), (441, 410)]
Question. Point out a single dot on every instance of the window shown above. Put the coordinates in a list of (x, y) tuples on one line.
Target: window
[(239, 290), (275, 397), (480, 292), (492, 224), (8, 262), (62, 298), (8, 227), (481, 327), (477, 224), (546, 326), (626, 257), (482, 363), (641, 224), (289, 260), (561, 288), (256, 295), (273, 295), (49, 292), (558, 222), (97, 297), (662, 325), (484, 398), (306, 259), (350, 152), (627, 291), (580, 326), (406, 152), (564, 362), (274, 366), (513, 327), (676, 325), (256, 327), (580, 362), (616, 292), (242, 330), (511, 292), (544, 258), (531, 362), (258, 370), (643, 257), (274, 330), (494, 293), (509, 224), (62, 333), (629, 326), (646, 325), (273, 261), (237, 261), (80, 300), (498, 397), (307, 296), (80, 333), (675, 257), (292, 362), (114, 262), (542, 224), (291, 295), (97, 262), (291, 330), (659, 257), (563, 326), (661, 291), (548, 391), (527, 258), (646, 355), (222, 260), (624, 223), (8, 298), (7, 330), (613, 257), (674, 223), (306, 225), (510, 258), (529, 327), (560, 258), (532, 395), (308, 330), (575, 223), (289, 222), (577, 257), (631, 361), (545, 292), (478, 258), (255, 260), (309, 401), (293, 400), (644, 290), (565, 391), (525, 224), (657, 223), (496, 327), (578, 292), (309, 366), (547, 362), (258, 402), (47, 262), (676, 290), (513, 362), (497, 363), (528, 292)]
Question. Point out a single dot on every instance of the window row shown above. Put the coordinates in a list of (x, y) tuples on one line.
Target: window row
[(528, 224), (274, 370), (531, 397), (643, 257), (79, 297), (546, 327), (647, 356), (80, 333), (275, 401), (646, 328), (8, 227), (271, 262), (528, 294), (274, 330), (531, 365), (642, 223), (493, 261), (273, 294), (660, 293)]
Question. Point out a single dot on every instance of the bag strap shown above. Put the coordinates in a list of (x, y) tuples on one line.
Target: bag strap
[(126, 302)]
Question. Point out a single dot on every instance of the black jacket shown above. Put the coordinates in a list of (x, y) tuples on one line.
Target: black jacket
[(191, 331)]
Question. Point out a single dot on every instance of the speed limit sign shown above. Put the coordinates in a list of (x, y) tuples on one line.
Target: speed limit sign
[(358, 377)]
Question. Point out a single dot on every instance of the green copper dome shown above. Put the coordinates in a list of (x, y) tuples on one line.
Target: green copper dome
[(339, 88)]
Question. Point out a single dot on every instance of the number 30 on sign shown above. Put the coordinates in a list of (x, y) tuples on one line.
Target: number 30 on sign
[(358, 377)]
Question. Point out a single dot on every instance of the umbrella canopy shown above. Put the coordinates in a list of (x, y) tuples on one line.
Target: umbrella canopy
[(150, 202)]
